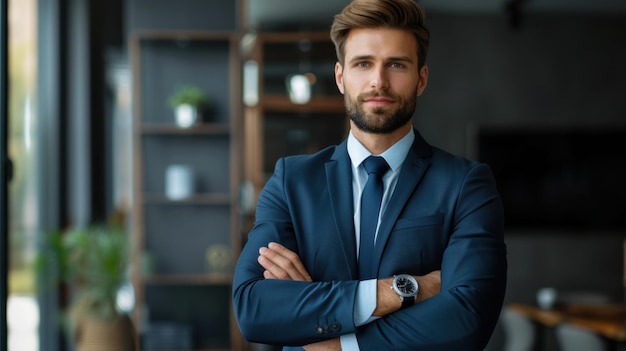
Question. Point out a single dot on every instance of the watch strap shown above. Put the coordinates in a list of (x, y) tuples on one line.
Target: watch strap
[(408, 301)]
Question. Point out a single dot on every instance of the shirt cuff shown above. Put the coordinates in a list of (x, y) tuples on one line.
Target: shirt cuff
[(365, 303), (349, 343)]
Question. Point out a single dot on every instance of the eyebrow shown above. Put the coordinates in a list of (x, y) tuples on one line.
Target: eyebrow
[(388, 59)]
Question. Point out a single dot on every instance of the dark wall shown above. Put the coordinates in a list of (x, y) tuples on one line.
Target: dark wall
[(554, 72)]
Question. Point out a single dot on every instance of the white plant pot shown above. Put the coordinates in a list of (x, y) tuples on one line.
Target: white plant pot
[(299, 89), (186, 115)]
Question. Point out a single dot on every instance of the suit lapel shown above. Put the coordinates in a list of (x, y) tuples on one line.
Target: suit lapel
[(415, 165), (339, 181)]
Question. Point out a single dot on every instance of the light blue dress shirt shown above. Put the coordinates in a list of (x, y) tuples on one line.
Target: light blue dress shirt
[(366, 292)]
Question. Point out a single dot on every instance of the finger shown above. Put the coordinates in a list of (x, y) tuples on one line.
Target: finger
[(268, 275), (284, 264), (293, 258), (272, 271), (278, 265)]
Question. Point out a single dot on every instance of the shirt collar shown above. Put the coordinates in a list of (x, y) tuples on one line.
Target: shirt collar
[(394, 155)]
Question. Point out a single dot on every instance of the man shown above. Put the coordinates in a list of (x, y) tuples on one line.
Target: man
[(318, 270)]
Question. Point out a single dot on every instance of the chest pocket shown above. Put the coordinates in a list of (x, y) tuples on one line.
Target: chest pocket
[(414, 222), (415, 246)]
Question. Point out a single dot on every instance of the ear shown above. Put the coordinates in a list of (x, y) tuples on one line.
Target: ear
[(423, 80), (339, 76)]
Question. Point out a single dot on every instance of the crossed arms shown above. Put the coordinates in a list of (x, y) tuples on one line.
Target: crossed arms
[(281, 263)]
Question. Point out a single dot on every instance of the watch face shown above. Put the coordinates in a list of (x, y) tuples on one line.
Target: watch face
[(406, 286)]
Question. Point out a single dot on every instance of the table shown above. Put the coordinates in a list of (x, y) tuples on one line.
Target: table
[(608, 320)]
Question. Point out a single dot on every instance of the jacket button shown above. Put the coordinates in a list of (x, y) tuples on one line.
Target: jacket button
[(319, 330), (336, 326)]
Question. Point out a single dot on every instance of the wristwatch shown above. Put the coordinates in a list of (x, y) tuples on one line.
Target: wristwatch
[(406, 287)]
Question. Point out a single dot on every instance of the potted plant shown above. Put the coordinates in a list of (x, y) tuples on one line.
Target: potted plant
[(188, 102), (93, 263)]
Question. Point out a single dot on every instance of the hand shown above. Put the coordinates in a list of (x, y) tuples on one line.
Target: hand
[(326, 345), (281, 263), (430, 285)]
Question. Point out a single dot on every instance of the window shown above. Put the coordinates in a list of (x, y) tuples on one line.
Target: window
[(23, 190)]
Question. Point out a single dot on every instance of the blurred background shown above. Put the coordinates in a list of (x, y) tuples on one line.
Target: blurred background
[(534, 88)]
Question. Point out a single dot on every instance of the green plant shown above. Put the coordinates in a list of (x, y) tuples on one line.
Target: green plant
[(191, 95), (93, 261)]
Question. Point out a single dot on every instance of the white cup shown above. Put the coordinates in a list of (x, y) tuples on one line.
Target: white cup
[(546, 298), (179, 182)]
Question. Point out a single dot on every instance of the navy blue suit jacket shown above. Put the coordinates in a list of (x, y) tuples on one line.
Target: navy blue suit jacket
[(445, 213)]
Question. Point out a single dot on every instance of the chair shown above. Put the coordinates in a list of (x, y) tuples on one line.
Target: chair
[(573, 338), (519, 330)]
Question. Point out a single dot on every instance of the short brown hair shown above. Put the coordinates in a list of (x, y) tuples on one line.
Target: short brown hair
[(397, 14)]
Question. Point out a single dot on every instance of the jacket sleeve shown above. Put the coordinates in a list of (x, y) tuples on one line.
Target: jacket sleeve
[(282, 312), (473, 281)]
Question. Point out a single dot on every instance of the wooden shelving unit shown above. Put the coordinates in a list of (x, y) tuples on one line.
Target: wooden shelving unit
[(320, 104), (276, 126), (203, 128), (180, 285)]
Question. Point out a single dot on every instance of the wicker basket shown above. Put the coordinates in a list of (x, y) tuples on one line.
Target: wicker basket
[(94, 334)]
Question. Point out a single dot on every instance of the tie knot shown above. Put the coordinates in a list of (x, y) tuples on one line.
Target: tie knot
[(376, 164)]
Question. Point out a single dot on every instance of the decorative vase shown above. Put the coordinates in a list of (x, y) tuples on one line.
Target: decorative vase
[(179, 182), (219, 259), (96, 334)]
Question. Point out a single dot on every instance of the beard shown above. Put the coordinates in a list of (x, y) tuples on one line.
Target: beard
[(381, 120)]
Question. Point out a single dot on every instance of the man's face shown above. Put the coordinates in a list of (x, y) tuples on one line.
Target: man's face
[(380, 79)]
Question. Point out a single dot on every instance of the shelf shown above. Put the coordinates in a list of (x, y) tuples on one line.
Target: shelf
[(325, 104), (291, 37), (200, 129), (176, 234), (199, 199), (189, 279), (183, 35)]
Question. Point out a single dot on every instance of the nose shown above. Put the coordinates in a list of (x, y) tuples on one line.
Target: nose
[(379, 79)]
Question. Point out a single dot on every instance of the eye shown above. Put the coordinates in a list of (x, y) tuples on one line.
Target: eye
[(362, 64), (397, 65)]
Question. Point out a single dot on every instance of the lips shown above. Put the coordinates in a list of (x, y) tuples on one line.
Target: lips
[(379, 100)]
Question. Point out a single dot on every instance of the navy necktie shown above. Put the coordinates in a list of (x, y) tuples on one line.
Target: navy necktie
[(371, 198)]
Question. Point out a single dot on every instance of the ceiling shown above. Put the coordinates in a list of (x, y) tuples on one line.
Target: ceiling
[(280, 13)]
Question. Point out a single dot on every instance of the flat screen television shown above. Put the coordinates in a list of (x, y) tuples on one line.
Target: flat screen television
[(567, 178)]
